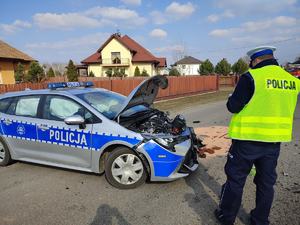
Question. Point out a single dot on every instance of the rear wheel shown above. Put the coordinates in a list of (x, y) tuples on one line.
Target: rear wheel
[(5, 158), (124, 169)]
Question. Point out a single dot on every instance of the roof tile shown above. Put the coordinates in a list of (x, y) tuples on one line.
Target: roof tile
[(9, 52)]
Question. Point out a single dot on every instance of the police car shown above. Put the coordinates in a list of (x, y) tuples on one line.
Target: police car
[(75, 126)]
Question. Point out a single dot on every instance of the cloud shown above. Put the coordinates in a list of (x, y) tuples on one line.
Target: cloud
[(254, 26), (174, 11), (64, 21), (116, 14), (171, 48), (83, 41), (158, 33), (77, 48), (216, 17), (91, 18), (255, 6), (158, 17), (17, 25), (132, 2), (180, 10), (278, 29), (220, 32)]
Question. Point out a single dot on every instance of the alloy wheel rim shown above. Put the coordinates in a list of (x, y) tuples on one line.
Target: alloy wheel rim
[(2, 152), (127, 169)]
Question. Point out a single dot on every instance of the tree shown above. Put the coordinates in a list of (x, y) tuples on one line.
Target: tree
[(50, 72), (174, 72), (117, 72), (206, 68), (137, 72), (240, 67), (58, 73), (91, 74), (144, 73), (223, 67), (72, 72), (35, 73), (20, 73), (122, 72), (109, 72)]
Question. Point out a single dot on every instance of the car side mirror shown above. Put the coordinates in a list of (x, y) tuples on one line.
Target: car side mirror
[(76, 120)]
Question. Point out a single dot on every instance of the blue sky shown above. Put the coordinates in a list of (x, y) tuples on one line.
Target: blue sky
[(56, 31)]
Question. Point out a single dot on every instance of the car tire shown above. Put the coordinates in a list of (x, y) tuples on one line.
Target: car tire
[(124, 169), (5, 158)]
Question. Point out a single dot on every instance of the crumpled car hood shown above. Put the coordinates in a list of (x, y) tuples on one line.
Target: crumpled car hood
[(145, 93)]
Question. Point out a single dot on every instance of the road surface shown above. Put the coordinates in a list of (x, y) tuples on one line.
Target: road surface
[(34, 194)]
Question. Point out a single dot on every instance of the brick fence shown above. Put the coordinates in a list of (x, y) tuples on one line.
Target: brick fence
[(178, 86)]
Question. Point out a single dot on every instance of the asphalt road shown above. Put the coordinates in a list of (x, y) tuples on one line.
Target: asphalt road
[(34, 194)]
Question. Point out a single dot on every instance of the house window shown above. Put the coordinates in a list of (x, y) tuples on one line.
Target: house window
[(116, 57), (183, 66)]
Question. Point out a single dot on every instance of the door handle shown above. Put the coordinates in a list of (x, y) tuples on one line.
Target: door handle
[(43, 127), (7, 121)]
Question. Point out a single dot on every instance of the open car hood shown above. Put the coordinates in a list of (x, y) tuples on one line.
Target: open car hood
[(145, 93)]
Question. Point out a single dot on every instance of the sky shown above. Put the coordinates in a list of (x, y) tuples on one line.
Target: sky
[(55, 31)]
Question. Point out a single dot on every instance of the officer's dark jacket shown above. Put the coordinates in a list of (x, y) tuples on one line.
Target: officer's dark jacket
[(245, 89)]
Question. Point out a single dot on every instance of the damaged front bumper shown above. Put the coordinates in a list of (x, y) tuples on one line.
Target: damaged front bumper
[(167, 165)]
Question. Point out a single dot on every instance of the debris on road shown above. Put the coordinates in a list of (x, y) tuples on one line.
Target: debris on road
[(215, 139)]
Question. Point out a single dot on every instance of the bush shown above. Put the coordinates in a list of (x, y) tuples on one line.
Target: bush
[(144, 73), (137, 72), (174, 72), (91, 74)]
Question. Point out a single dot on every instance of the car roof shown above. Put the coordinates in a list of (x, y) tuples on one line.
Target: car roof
[(64, 91)]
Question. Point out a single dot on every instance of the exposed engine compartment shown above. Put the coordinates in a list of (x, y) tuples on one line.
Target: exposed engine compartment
[(154, 122), (157, 122)]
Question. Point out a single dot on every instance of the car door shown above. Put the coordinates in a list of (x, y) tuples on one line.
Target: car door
[(62, 144), (18, 123)]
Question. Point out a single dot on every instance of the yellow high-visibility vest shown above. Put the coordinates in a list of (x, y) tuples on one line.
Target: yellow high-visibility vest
[(268, 117)]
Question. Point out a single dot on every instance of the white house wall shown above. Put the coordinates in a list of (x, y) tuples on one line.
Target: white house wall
[(188, 69)]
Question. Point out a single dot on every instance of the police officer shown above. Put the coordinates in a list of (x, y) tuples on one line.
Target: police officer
[(263, 105)]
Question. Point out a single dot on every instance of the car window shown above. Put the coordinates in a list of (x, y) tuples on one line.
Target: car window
[(105, 102), (4, 104), (59, 107), (25, 106)]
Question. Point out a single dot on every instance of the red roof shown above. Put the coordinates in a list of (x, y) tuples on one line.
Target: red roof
[(140, 54), (162, 62), (94, 58)]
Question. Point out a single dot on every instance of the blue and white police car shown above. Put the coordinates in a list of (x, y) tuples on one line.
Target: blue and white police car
[(75, 126)]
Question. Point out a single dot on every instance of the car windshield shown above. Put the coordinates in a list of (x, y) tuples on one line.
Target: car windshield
[(133, 110), (107, 103)]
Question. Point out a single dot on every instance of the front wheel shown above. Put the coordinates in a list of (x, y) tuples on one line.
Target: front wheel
[(124, 169), (5, 158)]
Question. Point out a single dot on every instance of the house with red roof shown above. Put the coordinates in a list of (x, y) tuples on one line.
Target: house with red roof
[(123, 53)]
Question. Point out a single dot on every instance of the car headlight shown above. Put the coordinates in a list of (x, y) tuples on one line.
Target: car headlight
[(166, 142)]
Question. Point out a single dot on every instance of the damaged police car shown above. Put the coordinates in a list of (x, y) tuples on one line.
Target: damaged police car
[(76, 126)]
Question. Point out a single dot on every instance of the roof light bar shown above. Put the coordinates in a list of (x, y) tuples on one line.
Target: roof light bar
[(70, 85)]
